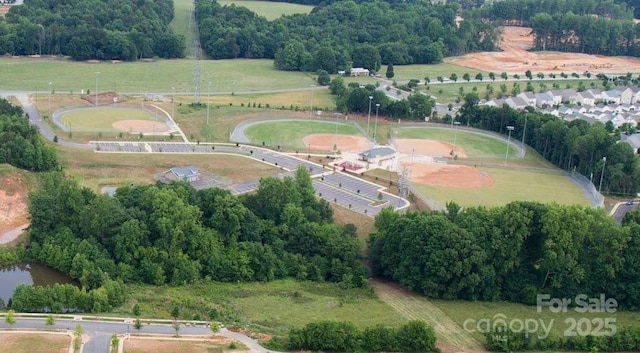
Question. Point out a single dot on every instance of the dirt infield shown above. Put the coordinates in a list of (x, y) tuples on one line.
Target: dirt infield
[(515, 58), (449, 176), (140, 126), (430, 148), (344, 142)]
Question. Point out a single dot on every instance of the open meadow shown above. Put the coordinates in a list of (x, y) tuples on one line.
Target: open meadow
[(216, 344), (432, 71), (269, 9), (16, 342)]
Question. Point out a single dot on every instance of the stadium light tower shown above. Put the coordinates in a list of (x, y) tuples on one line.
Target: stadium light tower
[(506, 157), (604, 162), (455, 135), (369, 116), (375, 126), (97, 74)]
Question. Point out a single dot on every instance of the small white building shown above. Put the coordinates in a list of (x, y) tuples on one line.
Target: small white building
[(359, 71)]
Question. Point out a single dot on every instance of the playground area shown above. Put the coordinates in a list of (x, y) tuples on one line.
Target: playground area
[(515, 57)]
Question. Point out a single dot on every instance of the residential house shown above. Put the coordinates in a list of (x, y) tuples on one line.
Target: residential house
[(612, 96), (529, 97), (544, 99), (516, 103), (625, 93), (586, 98), (359, 71)]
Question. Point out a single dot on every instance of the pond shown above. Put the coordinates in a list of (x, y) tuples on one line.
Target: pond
[(29, 273)]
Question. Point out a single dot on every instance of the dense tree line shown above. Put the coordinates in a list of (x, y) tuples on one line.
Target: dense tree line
[(64, 298), (92, 29), (574, 145), (521, 11), (331, 336), (20, 142), (173, 234), (355, 99), (344, 34), (511, 253)]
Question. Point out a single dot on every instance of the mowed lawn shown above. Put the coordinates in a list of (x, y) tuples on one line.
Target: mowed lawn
[(15, 342), (292, 133), (159, 345), (269, 9), (475, 145), (274, 306), (180, 23), (461, 311), (94, 170), (419, 72), (103, 118), (511, 185), (139, 77)]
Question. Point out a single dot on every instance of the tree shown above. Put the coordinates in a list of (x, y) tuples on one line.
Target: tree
[(466, 76), (175, 312), (137, 324), (176, 327), (136, 309), (504, 76), (492, 76), (215, 327), (528, 74), (50, 320), (389, 74), (10, 317), (323, 78), (454, 77), (479, 76), (77, 337)]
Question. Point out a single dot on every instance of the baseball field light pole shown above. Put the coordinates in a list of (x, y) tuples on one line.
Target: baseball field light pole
[(524, 131), (335, 137), (604, 162), (375, 125), (455, 135), (369, 116), (173, 105), (506, 156), (311, 108), (208, 99), (50, 93), (97, 75)]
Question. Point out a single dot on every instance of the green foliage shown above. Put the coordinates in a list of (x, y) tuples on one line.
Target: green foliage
[(340, 35), (508, 253), (21, 144), (11, 256), (389, 73), (215, 327), (323, 78), (114, 342), (137, 324), (77, 337), (136, 310), (10, 317), (50, 321), (67, 297), (332, 336), (123, 31)]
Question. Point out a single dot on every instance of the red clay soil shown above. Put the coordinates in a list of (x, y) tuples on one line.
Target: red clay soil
[(430, 148), (344, 142), (449, 176)]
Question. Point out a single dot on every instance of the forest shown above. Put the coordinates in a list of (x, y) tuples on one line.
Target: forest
[(343, 34), (574, 145), (174, 234), (92, 29), (593, 27), (20, 142)]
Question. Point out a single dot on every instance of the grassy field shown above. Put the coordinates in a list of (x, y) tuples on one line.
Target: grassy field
[(272, 307), (460, 311), (446, 93), (419, 72), (475, 145), (322, 100), (511, 185), (94, 170), (291, 133), (268, 9), (103, 118), (159, 345), (140, 77), (180, 23), (29, 343)]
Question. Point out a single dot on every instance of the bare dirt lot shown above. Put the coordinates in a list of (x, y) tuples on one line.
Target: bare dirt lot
[(158, 345), (13, 201), (515, 58), (34, 342), (430, 148), (137, 126), (344, 142), (449, 176)]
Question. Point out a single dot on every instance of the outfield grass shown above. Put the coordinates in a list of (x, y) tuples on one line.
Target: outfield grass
[(419, 72), (141, 77), (273, 306), (511, 185), (268, 9), (94, 170), (460, 311), (450, 92), (291, 133), (103, 118), (475, 145)]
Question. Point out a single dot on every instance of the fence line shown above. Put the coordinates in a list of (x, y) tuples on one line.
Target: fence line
[(585, 184), (431, 203)]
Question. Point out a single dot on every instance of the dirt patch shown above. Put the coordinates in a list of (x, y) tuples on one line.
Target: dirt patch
[(140, 126), (13, 201), (34, 342), (430, 148), (343, 142), (104, 97), (158, 345), (515, 58), (449, 176)]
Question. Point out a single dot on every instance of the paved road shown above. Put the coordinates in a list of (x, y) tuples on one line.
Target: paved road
[(99, 332), (621, 209)]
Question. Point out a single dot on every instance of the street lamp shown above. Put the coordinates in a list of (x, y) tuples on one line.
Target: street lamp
[(173, 101), (455, 135), (604, 162), (311, 108), (50, 93), (208, 99), (375, 128), (97, 74), (335, 137), (369, 115), (506, 157)]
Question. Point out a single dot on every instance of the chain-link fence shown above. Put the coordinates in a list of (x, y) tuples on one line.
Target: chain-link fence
[(585, 184)]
